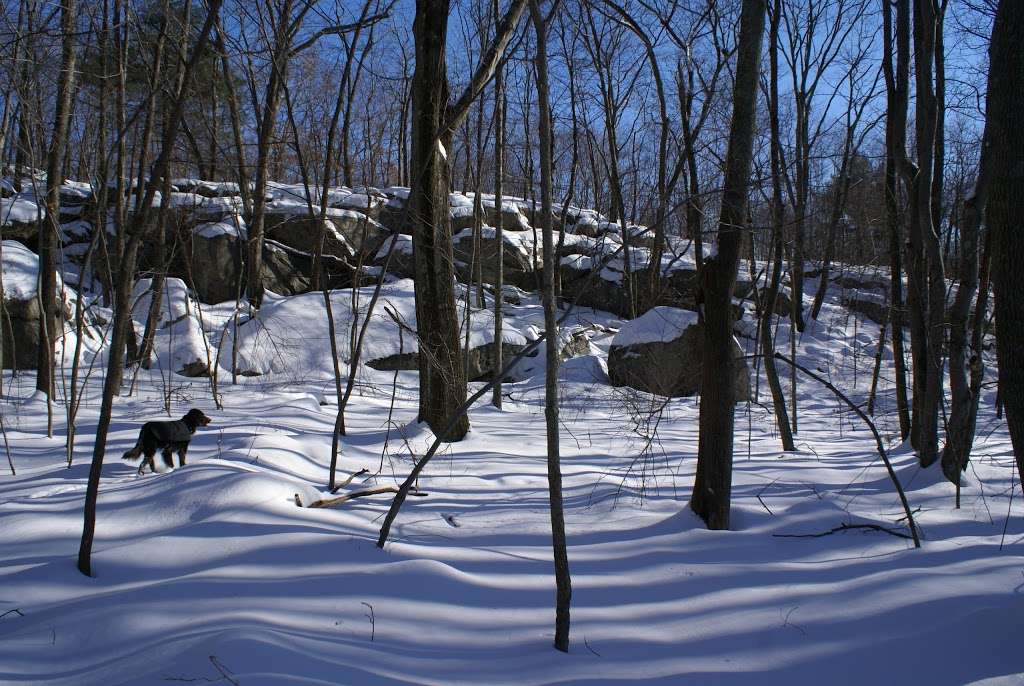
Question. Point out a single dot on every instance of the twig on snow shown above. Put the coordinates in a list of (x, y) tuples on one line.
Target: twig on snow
[(224, 671), (848, 527)]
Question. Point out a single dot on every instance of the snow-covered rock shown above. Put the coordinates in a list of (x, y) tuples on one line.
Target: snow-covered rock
[(662, 351), (179, 343), (20, 326), (290, 335)]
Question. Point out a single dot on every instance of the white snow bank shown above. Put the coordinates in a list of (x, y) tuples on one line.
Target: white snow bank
[(291, 335)]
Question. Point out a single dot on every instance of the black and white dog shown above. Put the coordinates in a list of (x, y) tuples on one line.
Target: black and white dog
[(168, 437)]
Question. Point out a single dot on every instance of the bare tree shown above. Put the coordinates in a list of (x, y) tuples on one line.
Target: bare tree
[(1003, 210), (122, 310), (897, 86), (563, 582), (50, 310), (434, 121), (712, 486)]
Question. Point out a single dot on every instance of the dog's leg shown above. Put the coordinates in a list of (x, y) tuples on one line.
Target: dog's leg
[(168, 457), (181, 454), (148, 459)]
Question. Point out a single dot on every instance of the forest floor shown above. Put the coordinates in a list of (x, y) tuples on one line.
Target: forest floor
[(212, 574)]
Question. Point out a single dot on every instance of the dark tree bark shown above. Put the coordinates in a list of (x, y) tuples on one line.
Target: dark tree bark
[(50, 311), (712, 486), (122, 309), (1005, 117), (897, 89), (778, 240), (499, 224), (442, 377), (563, 583), (962, 360), (927, 273)]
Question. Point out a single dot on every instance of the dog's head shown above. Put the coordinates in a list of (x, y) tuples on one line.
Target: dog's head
[(196, 418)]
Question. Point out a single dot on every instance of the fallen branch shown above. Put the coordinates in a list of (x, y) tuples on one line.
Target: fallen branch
[(347, 481), (331, 502), (848, 527), (880, 446)]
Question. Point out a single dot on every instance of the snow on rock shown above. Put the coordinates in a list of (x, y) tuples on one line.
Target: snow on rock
[(657, 325), (289, 336), (234, 227), (21, 209), (662, 352), (179, 344), (20, 272)]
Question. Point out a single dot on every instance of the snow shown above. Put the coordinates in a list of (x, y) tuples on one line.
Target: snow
[(211, 573), (179, 339), (404, 245), (21, 209), (233, 226), (290, 336), (658, 325), (20, 272)]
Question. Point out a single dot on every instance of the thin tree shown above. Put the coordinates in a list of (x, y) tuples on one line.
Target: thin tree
[(897, 86), (500, 100), (50, 310), (123, 305), (563, 582), (965, 360), (778, 240)]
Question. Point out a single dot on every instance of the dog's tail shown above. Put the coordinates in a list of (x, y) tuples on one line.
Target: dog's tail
[(134, 453)]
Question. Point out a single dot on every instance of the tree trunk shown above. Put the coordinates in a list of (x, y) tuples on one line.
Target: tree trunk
[(1005, 116), (442, 378), (50, 311), (778, 220), (499, 224), (122, 310), (897, 88), (563, 582), (713, 482), (927, 278)]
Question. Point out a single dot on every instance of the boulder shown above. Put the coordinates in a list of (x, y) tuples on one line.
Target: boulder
[(20, 327), (873, 306), (401, 264), (394, 216), (281, 274), (480, 360), (19, 217), (602, 291), (216, 254), (862, 282), (517, 262), (179, 344), (302, 232), (211, 257), (347, 233), (662, 352), (744, 290)]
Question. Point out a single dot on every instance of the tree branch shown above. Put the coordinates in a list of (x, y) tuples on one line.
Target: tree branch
[(336, 30)]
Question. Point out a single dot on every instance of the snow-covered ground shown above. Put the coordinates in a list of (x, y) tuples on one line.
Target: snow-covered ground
[(213, 574)]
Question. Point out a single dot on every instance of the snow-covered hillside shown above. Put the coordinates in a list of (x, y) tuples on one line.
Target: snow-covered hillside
[(213, 574)]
